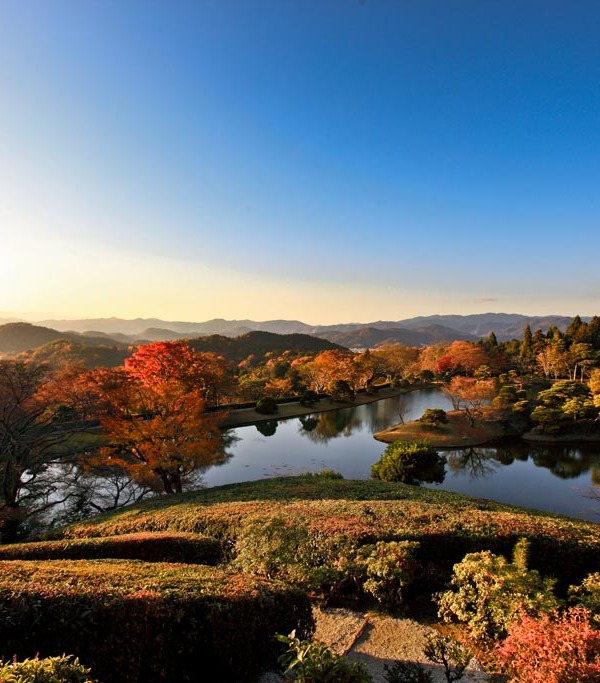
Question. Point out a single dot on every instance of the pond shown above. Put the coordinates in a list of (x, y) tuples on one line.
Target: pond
[(553, 478)]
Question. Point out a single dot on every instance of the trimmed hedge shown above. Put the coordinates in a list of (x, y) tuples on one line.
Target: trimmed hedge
[(150, 547), (63, 669), (447, 526), (134, 622)]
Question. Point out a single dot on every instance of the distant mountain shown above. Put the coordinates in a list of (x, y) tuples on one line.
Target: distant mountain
[(65, 352), (17, 337), (94, 349), (428, 328), (138, 326), (504, 325), (369, 337), (236, 349)]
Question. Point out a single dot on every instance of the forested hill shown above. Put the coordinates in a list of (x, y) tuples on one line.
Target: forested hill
[(369, 337), (17, 337), (43, 344), (258, 343)]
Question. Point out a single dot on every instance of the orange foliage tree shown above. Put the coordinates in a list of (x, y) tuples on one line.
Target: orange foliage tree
[(470, 395), (155, 422)]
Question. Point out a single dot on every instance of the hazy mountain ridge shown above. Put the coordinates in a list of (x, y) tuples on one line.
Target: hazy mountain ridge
[(17, 337), (20, 337), (434, 327)]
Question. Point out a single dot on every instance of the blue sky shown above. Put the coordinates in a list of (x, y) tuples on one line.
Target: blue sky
[(322, 160)]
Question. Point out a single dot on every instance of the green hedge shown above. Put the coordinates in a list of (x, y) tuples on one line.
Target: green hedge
[(134, 622), (63, 669), (150, 547)]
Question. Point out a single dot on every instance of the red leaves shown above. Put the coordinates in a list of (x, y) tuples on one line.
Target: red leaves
[(558, 648)]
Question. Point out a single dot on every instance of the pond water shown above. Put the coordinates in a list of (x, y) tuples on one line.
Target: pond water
[(556, 479)]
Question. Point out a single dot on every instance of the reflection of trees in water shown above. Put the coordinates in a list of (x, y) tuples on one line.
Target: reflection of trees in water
[(566, 462), (330, 424), (429, 469), (309, 422), (478, 463), (267, 428), (381, 414)]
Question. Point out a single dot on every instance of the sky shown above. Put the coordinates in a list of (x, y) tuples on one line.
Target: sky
[(322, 160)]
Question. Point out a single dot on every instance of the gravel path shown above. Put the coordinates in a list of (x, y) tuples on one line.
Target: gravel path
[(377, 640)]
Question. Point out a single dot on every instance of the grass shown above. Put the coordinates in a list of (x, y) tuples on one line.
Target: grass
[(456, 434)]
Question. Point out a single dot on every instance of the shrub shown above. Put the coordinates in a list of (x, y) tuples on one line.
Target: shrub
[(134, 622), (266, 406), (63, 669), (434, 417), (280, 548), (490, 592), (552, 648), (341, 390), (390, 567), (309, 398), (407, 672), (313, 662), (409, 462), (451, 655), (587, 594), (149, 547)]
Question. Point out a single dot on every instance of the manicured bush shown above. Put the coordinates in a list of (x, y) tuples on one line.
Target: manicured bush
[(309, 398), (134, 622), (313, 662), (489, 592), (361, 512), (150, 547), (282, 548), (266, 406), (339, 389), (552, 648), (409, 462), (434, 417), (65, 669), (389, 567)]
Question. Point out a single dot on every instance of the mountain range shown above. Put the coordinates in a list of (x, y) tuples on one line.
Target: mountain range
[(16, 337)]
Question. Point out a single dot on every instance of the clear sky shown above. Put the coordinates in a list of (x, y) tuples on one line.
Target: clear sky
[(322, 160)]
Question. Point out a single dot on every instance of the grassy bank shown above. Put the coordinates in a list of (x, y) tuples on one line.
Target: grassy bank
[(457, 433)]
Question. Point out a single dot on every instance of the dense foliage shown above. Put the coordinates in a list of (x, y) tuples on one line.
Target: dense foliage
[(64, 669), (552, 648), (310, 661), (488, 592), (154, 547), (409, 462), (135, 622)]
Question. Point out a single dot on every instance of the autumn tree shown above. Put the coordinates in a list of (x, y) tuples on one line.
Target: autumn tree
[(470, 395), (326, 367), (395, 360), (157, 427), (34, 430), (553, 360), (463, 357)]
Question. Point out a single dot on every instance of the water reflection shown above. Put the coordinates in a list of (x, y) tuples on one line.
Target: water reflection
[(550, 478), (267, 428), (323, 427), (477, 463)]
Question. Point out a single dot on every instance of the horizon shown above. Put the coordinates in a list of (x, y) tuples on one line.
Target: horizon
[(273, 160), (6, 316)]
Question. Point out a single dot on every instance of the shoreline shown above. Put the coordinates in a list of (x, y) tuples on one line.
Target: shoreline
[(458, 433), (245, 417)]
